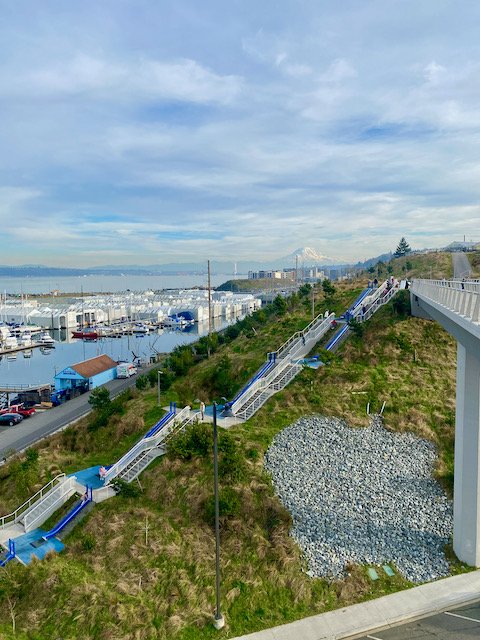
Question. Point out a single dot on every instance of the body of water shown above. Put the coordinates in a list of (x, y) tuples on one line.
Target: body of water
[(106, 284), (44, 363)]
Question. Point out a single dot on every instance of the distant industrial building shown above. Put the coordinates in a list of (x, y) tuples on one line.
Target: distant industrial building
[(302, 274), (463, 246)]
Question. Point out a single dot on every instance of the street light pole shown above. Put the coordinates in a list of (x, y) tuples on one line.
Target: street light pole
[(219, 621), (158, 378)]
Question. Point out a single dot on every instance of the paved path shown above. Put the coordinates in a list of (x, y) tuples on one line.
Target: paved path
[(45, 423), (461, 265), (367, 619)]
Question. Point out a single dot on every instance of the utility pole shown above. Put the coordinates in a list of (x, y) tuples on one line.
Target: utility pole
[(219, 621), (313, 301), (158, 386), (209, 308)]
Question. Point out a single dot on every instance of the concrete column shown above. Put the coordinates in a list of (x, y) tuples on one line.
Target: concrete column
[(466, 508)]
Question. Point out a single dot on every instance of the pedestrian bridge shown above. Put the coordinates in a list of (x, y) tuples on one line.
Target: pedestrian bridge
[(455, 305)]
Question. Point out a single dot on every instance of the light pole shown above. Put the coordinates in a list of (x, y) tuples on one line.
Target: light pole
[(158, 386), (219, 620)]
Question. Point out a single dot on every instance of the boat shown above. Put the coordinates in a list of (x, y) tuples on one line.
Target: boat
[(11, 356), (46, 339), (10, 342), (25, 340), (86, 334), (140, 328), (27, 353), (178, 322)]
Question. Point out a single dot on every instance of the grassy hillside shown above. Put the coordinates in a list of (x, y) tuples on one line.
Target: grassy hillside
[(474, 258), (142, 567), (435, 265)]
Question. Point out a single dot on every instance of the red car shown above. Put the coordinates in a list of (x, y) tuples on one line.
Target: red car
[(20, 409)]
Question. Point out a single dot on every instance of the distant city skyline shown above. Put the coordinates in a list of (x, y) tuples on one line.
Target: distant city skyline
[(138, 132)]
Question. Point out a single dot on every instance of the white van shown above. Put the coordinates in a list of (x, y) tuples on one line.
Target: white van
[(125, 370)]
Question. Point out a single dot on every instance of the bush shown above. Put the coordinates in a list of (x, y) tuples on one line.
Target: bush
[(231, 463), (126, 489), (229, 506), (141, 383), (99, 398), (196, 440)]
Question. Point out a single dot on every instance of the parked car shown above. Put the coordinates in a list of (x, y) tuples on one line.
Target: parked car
[(19, 408), (10, 418)]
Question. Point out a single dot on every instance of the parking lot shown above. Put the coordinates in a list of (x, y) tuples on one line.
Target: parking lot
[(462, 623)]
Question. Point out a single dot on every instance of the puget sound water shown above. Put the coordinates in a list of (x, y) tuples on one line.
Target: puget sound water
[(41, 364)]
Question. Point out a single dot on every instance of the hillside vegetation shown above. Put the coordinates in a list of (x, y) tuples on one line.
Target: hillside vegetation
[(474, 259), (141, 566)]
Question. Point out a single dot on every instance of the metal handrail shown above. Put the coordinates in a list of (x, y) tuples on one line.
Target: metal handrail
[(66, 488), (15, 515), (145, 444), (461, 297)]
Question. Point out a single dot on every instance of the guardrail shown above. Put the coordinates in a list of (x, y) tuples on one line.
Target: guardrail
[(50, 503), (145, 444), (15, 516), (461, 297)]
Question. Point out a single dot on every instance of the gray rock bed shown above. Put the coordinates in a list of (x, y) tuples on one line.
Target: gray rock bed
[(365, 496)]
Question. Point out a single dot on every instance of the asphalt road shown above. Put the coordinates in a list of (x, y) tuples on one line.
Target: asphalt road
[(40, 425), (461, 265), (462, 623)]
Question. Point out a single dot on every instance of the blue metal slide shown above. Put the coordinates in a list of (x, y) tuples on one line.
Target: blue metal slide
[(10, 553), (70, 515)]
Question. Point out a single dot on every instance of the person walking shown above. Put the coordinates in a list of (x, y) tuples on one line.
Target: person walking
[(202, 410)]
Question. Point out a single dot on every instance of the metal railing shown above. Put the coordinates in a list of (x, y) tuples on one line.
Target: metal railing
[(461, 297), (316, 322), (15, 516), (50, 503), (146, 444), (298, 347)]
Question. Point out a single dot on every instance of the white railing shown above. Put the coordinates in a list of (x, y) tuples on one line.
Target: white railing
[(374, 306), (50, 503), (314, 324), (297, 349), (15, 516), (461, 297), (146, 443)]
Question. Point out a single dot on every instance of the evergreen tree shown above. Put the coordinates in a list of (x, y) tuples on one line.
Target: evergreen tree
[(402, 249)]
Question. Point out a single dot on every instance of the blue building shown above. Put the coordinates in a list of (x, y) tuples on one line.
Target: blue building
[(86, 375)]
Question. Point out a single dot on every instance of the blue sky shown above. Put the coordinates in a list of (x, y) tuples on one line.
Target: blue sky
[(148, 132)]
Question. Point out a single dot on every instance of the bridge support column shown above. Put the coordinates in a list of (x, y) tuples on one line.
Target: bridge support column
[(466, 508)]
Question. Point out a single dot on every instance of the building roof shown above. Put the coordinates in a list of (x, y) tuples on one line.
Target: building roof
[(94, 366)]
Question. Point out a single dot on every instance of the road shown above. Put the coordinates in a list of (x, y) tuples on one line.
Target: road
[(43, 424), (462, 623), (461, 265)]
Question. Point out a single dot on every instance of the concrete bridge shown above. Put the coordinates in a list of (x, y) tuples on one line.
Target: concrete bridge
[(455, 305)]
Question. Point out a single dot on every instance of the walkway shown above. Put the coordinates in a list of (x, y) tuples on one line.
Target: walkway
[(384, 613), (456, 307), (461, 265)]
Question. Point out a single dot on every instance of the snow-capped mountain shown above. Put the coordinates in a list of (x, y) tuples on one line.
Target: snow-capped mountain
[(308, 256)]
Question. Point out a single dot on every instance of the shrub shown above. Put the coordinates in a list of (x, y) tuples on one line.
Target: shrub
[(229, 506), (99, 398), (196, 440), (142, 383), (126, 489)]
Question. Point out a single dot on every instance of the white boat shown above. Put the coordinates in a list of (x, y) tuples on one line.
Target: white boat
[(176, 321), (46, 339), (27, 353), (10, 342), (25, 340), (11, 356), (140, 328)]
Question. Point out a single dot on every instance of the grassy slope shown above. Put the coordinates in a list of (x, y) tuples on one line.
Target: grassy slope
[(474, 258), (162, 587)]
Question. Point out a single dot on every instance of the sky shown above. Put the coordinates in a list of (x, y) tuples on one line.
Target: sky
[(146, 132)]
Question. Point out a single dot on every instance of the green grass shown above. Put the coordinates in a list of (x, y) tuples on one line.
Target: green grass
[(112, 582)]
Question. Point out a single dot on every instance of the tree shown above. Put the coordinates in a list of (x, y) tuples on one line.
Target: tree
[(403, 249), (99, 398), (328, 288)]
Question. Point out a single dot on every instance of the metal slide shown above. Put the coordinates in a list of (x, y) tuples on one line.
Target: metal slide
[(70, 515)]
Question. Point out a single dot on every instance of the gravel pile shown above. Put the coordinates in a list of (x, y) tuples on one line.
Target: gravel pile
[(361, 495)]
